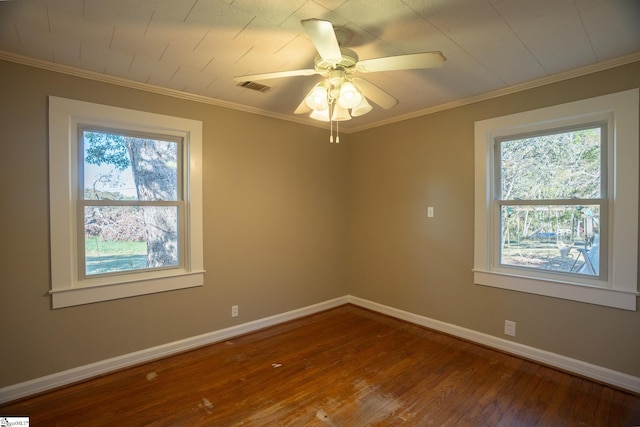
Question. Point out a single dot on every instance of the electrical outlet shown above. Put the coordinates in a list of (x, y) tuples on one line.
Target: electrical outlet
[(510, 328), (234, 311)]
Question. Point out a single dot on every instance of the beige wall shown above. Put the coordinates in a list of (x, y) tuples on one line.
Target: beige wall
[(401, 258), (275, 224), (281, 207)]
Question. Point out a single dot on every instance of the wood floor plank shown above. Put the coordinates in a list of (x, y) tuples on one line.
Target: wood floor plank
[(343, 367)]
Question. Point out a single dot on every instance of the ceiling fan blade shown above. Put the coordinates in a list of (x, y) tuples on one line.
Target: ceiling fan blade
[(402, 62), (324, 39), (275, 75), (374, 93)]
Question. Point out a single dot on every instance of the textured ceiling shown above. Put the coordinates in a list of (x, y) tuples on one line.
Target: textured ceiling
[(196, 47)]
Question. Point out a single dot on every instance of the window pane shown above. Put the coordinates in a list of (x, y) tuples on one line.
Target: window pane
[(550, 237), (120, 167), (562, 165), (126, 238)]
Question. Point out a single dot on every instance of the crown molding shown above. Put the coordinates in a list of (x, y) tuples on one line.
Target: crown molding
[(566, 75), (92, 75), (119, 81)]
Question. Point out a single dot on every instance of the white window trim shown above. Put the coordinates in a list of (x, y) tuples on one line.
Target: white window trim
[(67, 289), (620, 288)]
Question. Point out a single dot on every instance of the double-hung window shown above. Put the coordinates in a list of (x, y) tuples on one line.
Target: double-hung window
[(550, 199), (557, 201), (126, 209), (131, 200)]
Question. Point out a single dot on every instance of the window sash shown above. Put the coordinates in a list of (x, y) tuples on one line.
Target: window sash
[(497, 244), (604, 144), (179, 141), (82, 256)]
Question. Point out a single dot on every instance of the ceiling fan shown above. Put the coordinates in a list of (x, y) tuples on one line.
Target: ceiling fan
[(341, 89)]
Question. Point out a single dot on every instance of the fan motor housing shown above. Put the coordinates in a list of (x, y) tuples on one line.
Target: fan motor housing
[(348, 60)]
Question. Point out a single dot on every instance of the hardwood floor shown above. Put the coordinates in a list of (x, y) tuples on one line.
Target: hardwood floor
[(342, 367)]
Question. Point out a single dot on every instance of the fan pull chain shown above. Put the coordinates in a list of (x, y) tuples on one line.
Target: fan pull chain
[(331, 123), (337, 130)]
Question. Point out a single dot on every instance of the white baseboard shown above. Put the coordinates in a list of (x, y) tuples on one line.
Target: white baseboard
[(579, 367), (49, 382), (38, 385)]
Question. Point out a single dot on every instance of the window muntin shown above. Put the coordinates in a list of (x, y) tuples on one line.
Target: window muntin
[(131, 197), (550, 198)]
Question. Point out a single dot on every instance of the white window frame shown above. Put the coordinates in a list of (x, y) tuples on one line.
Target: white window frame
[(619, 288), (68, 288)]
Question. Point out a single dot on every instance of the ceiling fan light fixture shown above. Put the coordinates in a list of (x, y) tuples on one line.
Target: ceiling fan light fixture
[(350, 97), (340, 92), (317, 99), (362, 108)]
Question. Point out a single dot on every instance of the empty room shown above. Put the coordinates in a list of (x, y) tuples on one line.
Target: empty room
[(320, 212)]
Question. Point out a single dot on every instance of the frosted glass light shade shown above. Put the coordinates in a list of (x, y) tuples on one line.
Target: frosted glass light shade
[(349, 96), (317, 99), (361, 109), (340, 114), (323, 115)]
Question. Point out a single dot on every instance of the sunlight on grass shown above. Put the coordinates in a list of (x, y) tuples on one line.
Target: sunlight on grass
[(111, 256)]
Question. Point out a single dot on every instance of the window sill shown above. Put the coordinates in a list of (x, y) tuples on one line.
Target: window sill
[(565, 290), (89, 294)]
